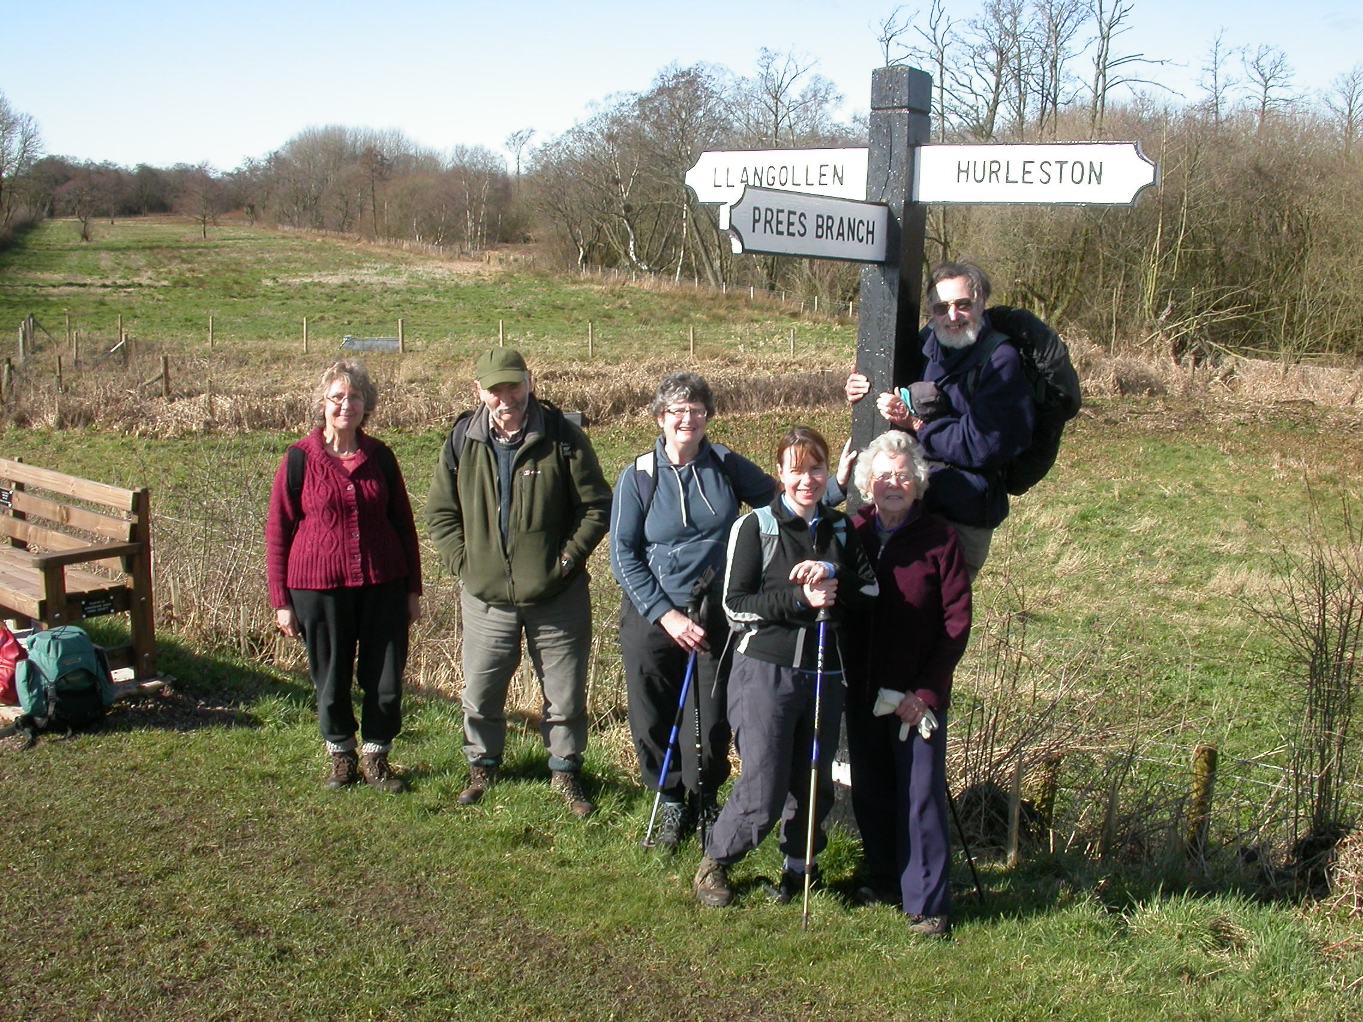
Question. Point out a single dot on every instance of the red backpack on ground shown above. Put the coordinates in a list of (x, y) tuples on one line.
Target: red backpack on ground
[(11, 652)]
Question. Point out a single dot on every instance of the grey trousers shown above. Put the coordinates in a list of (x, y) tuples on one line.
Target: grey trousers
[(975, 541), (558, 635), (771, 709)]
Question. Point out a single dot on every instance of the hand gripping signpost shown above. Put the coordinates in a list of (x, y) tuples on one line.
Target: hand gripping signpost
[(809, 202)]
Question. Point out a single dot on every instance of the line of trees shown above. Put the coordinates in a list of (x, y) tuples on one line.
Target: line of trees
[(1246, 244)]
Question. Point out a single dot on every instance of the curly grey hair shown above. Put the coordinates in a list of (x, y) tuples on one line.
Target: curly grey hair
[(683, 386), (356, 377), (979, 280), (895, 443)]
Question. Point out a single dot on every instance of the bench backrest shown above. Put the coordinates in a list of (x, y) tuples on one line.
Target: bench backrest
[(67, 512)]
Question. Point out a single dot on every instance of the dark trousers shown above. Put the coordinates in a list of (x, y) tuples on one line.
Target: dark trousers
[(899, 797), (772, 712), (655, 667), (356, 635)]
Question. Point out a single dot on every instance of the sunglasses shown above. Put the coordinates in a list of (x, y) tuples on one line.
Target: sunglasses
[(961, 305)]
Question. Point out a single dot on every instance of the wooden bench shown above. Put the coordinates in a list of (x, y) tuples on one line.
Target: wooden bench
[(77, 549)]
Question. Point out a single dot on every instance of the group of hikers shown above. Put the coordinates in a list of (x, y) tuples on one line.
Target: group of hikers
[(762, 628)]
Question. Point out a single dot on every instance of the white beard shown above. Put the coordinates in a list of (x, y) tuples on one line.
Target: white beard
[(960, 338)]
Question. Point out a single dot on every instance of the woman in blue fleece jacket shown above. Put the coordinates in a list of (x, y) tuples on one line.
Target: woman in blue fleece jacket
[(673, 508)]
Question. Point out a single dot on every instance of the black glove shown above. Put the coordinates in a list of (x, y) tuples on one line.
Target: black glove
[(926, 401)]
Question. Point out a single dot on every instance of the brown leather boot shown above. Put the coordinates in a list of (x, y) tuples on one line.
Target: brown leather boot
[(344, 770), (711, 885), (379, 775), (568, 783), (480, 779)]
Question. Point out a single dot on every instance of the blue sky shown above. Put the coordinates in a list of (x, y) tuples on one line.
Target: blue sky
[(171, 82)]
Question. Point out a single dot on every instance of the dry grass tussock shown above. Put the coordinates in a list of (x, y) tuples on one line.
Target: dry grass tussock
[(253, 388)]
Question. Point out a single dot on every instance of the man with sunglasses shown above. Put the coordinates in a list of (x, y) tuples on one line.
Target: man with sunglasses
[(973, 411)]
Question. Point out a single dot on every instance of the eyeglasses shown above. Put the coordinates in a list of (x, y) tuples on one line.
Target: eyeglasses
[(961, 305), (337, 400), (681, 412), (893, 478)]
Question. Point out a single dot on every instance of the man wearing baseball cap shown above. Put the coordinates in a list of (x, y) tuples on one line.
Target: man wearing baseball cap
[(517, 504)]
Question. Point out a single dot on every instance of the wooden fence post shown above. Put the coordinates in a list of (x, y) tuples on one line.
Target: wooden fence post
[(1200, 802), (165, 377), (501, 335), (6, 379), (692, 330), (402, 338), (589, 339), (792, 340), (305, 335), (1047, 786), (60, 384), (1014, 854), (210, 333)]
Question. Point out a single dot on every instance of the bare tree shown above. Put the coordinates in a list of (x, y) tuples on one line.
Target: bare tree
[(1110, 68), (786, 102), (20, 146), (1270, 76), (1057, 23), (516, 143), (1215, 80), (1346, 103), (202, 196), (890, 30)]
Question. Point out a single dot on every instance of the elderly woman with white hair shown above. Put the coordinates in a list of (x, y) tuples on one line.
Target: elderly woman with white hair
[(901, 657)]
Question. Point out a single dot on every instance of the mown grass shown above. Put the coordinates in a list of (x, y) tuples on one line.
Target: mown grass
[(259, 285), (185, 862)]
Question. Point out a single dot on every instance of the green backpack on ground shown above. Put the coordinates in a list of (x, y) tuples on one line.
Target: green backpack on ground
[(65, 681)]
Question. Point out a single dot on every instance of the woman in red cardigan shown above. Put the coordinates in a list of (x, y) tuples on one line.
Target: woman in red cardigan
[(345, 573)]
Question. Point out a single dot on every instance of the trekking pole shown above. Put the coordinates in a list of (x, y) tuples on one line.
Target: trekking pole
[(965, 846), (822, 619), (698, 611), (671, 743)]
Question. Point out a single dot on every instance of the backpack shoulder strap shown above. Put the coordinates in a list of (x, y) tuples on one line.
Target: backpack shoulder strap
[(455, 441), (297, 470), (646, 477)]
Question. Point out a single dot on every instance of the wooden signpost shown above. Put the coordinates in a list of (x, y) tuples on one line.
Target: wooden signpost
[(801, 202)]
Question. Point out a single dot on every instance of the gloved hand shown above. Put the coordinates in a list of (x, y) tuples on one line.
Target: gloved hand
[(926, 401), (888, 700)]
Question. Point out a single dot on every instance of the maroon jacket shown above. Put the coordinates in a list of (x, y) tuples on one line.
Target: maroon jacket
[(917, 630), (350, 531)]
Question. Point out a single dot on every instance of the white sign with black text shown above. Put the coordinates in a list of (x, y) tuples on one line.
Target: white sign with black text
[(721, 176), (1059, 173), (791, 223)]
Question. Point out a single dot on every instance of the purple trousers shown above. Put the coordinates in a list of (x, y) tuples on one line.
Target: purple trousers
[(899, 798)]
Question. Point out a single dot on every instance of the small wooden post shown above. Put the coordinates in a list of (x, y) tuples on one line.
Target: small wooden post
[(792, 340), (67, 313), (692, 330), (752, 292), (816, 304), (1200, 802), (1048, 783), (210, 332), (165, 376), (120, 326), (589, 339), (20, 352), (1015, 816), (59, 374), (305, 335), (402, 338), (75, 349), (501, 335), (6, 378)]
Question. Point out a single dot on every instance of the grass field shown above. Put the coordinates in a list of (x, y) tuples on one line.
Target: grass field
[(186, 864)]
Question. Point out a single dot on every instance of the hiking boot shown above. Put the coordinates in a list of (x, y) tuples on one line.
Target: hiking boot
[(344, 770), (870, 891), (672, 825), (934, 927), (379, 775), (703, 814), (568, 783), (792, 885), (712, 884), (480, 779)]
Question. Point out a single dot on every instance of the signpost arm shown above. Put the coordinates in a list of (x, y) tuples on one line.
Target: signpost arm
[(888, 352)]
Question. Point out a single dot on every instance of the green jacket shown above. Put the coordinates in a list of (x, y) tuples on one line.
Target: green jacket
[(560, 508)]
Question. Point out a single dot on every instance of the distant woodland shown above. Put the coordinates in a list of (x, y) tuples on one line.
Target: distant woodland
[(1251, 243)]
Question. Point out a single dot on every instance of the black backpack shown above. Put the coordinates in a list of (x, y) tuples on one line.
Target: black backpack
[(1055, 389)]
